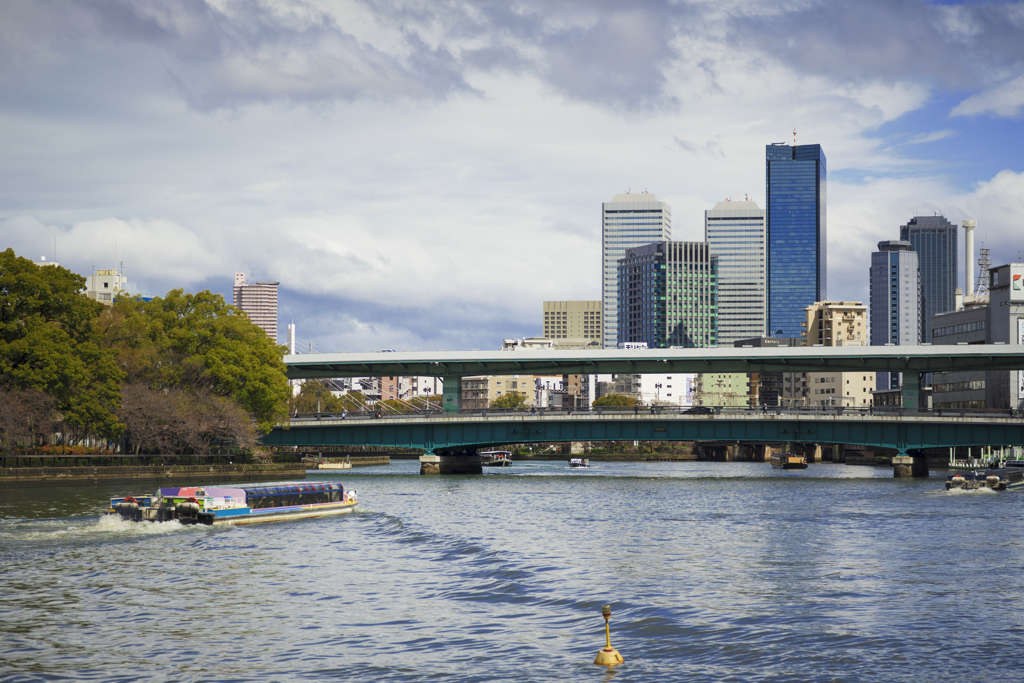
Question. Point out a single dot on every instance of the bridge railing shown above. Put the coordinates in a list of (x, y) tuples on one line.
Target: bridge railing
[(665, 410)]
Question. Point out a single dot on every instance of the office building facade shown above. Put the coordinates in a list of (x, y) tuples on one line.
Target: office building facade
[(895, 298), (628, 220), (735, 232), (796, 234), (934, 240), (668, 295), (259, 302), (572, 320)]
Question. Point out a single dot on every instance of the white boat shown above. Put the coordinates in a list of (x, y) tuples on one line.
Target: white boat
[(245, 504), (579, 462), (496, 458)]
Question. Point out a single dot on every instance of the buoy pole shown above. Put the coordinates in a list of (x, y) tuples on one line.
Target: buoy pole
[(609, 656)]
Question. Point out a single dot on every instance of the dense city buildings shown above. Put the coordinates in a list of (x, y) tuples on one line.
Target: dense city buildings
[(796, 234), (999, 320), (735, 232), (768, 388), (259, 301), (895, 298), (668, 295), (934, 240), (628, 220), (572, 320)]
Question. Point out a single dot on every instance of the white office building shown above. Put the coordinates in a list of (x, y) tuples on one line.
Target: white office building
[(628, 220), (735, 234)]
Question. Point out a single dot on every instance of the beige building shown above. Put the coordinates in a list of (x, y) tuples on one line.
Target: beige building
[(478, 393), (259, 301), (838, 323), (723, 389), (572, 320)]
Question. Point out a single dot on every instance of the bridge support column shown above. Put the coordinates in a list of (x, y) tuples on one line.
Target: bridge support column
[(452, 390), (911, 390), (432, 463), (904, 465), (816, 453)]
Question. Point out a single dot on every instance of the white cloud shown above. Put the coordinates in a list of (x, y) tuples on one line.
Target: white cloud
[(934, 136), (1006, 99)]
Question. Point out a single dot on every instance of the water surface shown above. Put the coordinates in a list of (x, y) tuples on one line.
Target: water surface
[(714, 571)]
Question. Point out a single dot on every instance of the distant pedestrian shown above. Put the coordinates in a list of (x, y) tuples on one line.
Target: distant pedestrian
[(636, 409), (344, 414), (764, 408)]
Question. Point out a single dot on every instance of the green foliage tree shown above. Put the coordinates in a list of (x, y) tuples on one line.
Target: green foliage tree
[(315, 396), (50, 342), (197, 342), (615, 401), (509, 401)]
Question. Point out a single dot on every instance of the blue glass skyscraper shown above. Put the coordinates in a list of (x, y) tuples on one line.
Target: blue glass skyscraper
[(796, 234)]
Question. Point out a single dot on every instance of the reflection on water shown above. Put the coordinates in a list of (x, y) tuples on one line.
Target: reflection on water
[(714, 571)]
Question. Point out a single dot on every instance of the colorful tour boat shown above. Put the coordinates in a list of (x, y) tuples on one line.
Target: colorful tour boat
[(244, 504)]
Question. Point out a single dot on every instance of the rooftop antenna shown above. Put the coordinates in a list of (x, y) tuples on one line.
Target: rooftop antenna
[(981, 284), (794, 137)]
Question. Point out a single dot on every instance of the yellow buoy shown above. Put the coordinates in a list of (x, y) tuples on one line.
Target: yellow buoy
[(609, 656)]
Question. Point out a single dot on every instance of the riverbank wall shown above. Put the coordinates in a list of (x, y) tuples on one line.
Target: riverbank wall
[(65, 475)]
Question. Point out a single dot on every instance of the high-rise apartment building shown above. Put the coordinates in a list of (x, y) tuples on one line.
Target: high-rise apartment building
[(934, 240), (838, 323), (796, 234), (259, 301), (668, 295), (895, 282), (572, 320), (735, 233), (628, 220)]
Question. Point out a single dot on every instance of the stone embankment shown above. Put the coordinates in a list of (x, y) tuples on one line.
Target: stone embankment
[(62, 475)]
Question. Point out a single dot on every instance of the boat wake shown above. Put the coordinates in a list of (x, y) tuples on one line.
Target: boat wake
[(106, 525), (983, 490)]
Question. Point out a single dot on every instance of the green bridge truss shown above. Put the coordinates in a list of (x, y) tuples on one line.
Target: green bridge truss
[(459, 433)]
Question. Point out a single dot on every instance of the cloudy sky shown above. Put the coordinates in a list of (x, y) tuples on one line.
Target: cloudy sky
[(422, 174)]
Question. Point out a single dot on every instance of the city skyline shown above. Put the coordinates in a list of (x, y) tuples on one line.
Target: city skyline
[(380, 161)]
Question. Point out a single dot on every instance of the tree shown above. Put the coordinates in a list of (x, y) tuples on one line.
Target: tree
[(615, 401), (198, 343), (49, 342), (26, 419), (315, 397), (509, 401)]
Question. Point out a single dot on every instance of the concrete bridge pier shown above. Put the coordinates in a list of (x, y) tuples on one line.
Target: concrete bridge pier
[(454, 463), (904, 465)]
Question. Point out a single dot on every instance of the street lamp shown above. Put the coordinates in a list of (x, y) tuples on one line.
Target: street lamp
[(657, 388)]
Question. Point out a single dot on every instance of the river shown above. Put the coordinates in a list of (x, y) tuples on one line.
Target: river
[(714, 572)]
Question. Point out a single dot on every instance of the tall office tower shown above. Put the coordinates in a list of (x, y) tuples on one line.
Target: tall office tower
[(259, 301), (934, 240), (795, 222), (628, 220), (668, 295), (735, 233), (895, 282), (572, 320)]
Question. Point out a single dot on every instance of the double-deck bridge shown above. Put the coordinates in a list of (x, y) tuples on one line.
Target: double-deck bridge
[(454, 434)]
